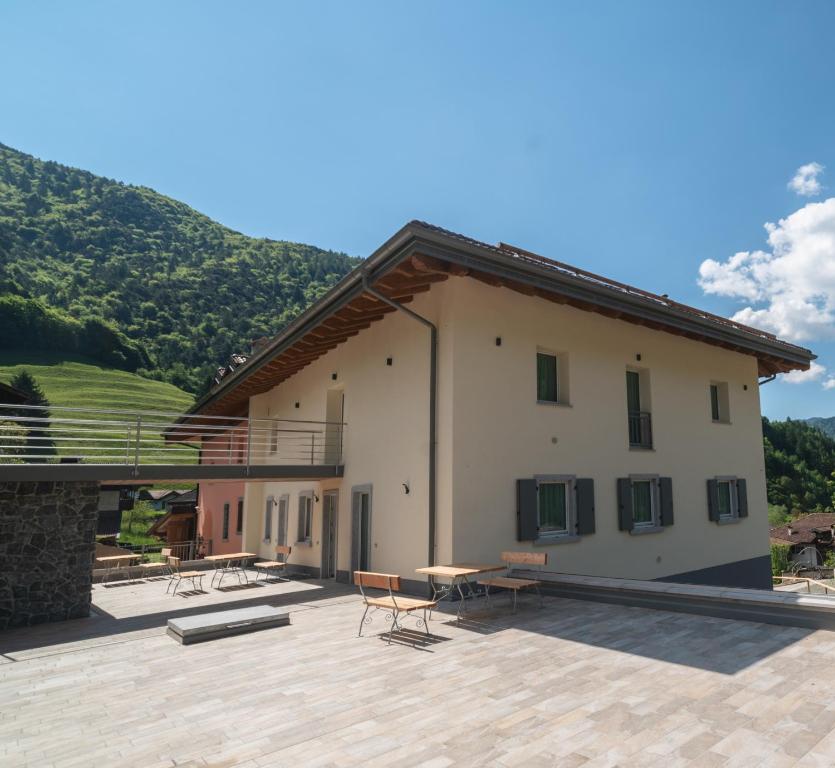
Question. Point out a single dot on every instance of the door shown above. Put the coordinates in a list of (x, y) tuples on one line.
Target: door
[(361, 528), (329, 512)]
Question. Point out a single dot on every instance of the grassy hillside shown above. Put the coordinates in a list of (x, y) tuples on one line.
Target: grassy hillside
[(141, 276), (83, 383)]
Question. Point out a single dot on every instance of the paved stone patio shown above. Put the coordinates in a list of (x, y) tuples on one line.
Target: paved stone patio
[(574, 684)]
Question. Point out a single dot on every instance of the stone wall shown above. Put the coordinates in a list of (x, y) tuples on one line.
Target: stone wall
[(47, 544)]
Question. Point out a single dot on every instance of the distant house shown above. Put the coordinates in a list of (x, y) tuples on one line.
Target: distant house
[(178, 524), (12, 396), (160, 498), (810, 537)]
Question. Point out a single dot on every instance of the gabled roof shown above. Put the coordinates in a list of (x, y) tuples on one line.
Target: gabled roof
[(8, 394), (805, 529), (421, 254)]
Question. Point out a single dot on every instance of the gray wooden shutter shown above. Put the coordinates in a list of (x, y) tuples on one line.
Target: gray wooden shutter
[(742, 498), (625, 522), (527, 525), (355, 534), (300, 529), (585, 505), (282, 521), (665, 491), (713, 500)]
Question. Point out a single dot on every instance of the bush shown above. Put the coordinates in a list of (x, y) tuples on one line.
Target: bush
[(779, 559)]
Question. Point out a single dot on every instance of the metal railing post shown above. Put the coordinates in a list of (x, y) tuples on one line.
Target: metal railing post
[(312, 447), (248, 444), (136, 450)]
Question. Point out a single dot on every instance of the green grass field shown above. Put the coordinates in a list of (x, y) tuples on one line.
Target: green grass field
[(82, 383)]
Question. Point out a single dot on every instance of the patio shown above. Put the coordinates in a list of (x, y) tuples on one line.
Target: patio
[(574, 684)]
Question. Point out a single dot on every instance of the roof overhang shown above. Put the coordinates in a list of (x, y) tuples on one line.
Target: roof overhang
[(419, 255)]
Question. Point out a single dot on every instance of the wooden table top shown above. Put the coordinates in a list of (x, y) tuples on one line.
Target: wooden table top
[(456, 570), (118, 557), (231, 556)]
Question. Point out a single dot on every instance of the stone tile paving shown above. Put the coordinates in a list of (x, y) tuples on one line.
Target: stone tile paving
[(574, 684)]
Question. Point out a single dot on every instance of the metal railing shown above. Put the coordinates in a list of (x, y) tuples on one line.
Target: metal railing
[(640, 429), (51, 435)]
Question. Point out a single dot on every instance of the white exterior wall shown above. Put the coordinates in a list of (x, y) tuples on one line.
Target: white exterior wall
[(491, 432), (385, 442), (502, 434)]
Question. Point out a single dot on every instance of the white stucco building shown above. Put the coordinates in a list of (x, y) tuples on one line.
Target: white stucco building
[(494, 399)]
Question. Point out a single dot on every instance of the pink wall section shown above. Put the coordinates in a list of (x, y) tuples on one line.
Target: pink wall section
[(210, 503), (213, 495)]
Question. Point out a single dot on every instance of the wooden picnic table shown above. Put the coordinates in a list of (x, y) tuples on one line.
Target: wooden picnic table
[(232, 562), (457, 575), (112, 565)]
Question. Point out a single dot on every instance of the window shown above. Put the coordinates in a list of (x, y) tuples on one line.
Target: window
[(644, 506), (226, 521), (719, 406), (546, 378), (727, 507), (645, 503), (268, 518), (727, 499), (637, 407), (553, 508), (239, 523), (305, 528)]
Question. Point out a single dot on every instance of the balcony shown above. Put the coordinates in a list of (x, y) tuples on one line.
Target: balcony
[(58, 443), (640, 429)]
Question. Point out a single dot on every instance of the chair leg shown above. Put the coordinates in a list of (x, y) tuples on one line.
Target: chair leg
[(487, 595), (362, 621), (393, 625), (426, 622)]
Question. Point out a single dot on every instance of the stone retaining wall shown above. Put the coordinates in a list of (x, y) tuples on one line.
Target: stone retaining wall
[(47, 543)]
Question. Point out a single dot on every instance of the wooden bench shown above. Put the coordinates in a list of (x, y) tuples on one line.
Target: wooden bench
[(276, 567), (513, 585), (395, 605)]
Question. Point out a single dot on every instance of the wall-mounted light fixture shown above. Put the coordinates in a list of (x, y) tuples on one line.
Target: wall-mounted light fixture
[(406, 488), (498, 341), (745, 387), (333, 376), (315, 497), (389, 360), (297, 405), (638, 357)]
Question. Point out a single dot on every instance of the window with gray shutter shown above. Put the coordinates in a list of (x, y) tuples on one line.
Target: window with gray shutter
[(713, 500), (584, 488), (268, 518), (526, 509), (282, 520), (665, 493), (625, 522), (742, 497)]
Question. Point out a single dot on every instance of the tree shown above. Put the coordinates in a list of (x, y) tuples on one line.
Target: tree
[(39, 445)]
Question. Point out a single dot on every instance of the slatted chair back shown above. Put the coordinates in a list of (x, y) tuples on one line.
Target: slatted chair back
[(284, 551), (538, 559), (174, 562), (165, 553), (371, 580)]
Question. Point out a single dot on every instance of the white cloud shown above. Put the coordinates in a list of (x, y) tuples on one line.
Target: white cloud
[(829, 383), (816, 371), (805, 180), (789, 287)]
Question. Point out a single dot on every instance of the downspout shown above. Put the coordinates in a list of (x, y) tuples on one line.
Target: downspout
[(767, 380), (433, 388)]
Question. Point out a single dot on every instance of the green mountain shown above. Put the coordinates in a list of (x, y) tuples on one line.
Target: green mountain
[(799, 466), (137, 280), (824, 424)]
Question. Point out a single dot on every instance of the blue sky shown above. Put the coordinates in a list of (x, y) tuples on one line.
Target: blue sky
[(634, 139)]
